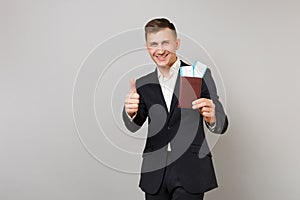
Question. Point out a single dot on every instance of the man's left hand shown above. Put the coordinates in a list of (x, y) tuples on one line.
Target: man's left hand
[(206, 108)]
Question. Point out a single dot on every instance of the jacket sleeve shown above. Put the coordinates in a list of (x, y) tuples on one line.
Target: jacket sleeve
[(209, 91)]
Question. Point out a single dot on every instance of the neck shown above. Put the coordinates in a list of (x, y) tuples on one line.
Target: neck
[(164, 70)]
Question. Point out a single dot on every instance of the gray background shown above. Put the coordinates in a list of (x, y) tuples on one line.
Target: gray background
[(255, 45)]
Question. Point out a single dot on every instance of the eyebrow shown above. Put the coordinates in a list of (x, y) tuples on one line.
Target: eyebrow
[(151, 43), (164, 41)]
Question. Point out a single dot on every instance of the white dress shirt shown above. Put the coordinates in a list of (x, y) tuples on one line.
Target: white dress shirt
[(167, 83)]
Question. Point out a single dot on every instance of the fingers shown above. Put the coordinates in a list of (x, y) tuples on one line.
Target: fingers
[(207, 114), (131, 104), (207, 111), (132, 85), (203, 103), (205, 106), (132, 99), (133, 95)]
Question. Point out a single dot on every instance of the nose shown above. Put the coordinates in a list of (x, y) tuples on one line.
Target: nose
[(160, 50)]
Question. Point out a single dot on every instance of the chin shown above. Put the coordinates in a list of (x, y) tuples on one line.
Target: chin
[(162, 63)]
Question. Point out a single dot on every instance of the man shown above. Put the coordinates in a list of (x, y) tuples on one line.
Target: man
[(177, 162)]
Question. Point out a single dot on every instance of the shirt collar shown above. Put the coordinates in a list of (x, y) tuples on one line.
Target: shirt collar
[(174, 68)]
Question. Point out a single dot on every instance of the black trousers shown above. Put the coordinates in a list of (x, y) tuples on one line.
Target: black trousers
[(171, 188)]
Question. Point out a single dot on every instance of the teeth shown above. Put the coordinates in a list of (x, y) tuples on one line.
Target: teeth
[(162, 56)]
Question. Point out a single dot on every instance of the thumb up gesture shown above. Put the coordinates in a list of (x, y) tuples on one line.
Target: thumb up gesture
[(132, 100)]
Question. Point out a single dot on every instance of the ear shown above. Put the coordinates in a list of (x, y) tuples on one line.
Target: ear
[(177, 43), (146, 47)]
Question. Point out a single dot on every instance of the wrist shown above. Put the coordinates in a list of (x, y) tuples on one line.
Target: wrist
[(211, 121)]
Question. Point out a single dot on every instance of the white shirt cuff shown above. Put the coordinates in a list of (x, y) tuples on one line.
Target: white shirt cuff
[(131, 118), (211, 127)]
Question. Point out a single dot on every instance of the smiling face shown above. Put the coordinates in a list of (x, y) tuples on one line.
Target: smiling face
[(162, 46)]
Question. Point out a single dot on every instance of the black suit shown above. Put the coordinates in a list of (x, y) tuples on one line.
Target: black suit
[(183, 128)]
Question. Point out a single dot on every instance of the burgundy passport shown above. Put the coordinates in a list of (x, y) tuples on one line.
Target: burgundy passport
[(189, 91)]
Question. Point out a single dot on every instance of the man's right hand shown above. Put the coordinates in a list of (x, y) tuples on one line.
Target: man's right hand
[(132, 100)]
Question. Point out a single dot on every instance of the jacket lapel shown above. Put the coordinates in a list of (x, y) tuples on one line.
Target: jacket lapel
[(175, 96)]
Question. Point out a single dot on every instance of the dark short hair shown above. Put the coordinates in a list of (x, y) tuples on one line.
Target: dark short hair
[(155, 25)]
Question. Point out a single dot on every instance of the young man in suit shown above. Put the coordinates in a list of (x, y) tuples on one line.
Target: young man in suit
[(177, 163)]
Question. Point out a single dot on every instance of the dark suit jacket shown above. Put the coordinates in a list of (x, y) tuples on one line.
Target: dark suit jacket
[(183, 128)]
